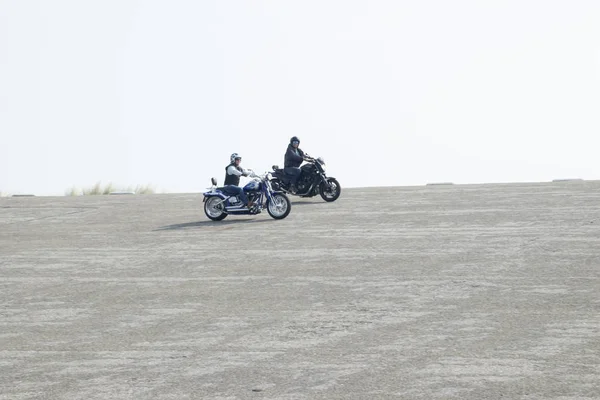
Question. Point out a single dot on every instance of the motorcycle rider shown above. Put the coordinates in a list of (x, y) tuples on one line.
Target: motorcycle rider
[(294, 157), (233, 171)]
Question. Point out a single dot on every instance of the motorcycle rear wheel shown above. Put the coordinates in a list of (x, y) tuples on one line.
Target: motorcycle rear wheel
[(213, 209)]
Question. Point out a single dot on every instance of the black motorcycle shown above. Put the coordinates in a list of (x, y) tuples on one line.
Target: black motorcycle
[(312, 180)]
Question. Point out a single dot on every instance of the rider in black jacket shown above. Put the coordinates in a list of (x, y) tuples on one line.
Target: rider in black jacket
[(293, 159)]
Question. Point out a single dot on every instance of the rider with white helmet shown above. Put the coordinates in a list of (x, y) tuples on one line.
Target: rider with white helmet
[(233, 171)]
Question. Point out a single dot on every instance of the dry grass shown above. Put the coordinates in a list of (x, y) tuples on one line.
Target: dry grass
[(73, 192), (144, 189), (99, 189)]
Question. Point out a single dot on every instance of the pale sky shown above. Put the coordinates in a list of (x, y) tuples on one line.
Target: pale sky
[(388, 92)]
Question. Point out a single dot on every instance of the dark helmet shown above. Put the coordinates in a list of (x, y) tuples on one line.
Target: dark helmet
[(294, 139)]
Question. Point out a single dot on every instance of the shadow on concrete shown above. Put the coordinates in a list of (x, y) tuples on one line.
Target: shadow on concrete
[(306, 203), (208, 223)]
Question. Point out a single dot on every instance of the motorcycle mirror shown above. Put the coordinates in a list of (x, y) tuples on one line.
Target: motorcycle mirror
[(275, 167), (213, 181)]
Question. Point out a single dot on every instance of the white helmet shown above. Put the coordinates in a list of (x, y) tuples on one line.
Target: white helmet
[(234, 156)]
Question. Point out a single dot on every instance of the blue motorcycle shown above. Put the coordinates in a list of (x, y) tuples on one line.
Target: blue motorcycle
[(218, 203)]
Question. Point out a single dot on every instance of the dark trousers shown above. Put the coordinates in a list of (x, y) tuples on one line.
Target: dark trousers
[(294, 173), (236, 191)]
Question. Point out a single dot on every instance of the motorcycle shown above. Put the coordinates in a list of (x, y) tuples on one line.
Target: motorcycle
[(312, 180), (218, 204)]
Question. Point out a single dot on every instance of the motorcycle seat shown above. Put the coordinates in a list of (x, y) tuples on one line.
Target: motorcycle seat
[(225, 190)]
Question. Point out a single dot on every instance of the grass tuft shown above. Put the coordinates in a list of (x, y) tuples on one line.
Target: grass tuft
[(99, 189), (143, 189)]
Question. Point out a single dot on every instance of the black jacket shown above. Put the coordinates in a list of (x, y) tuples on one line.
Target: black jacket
[(291, 158), (232, 179)]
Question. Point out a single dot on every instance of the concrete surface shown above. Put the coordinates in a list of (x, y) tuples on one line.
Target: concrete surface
[(442, 292)]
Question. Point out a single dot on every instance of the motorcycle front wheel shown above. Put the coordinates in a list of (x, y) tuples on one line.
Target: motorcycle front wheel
[(332, 192), (279, 206)]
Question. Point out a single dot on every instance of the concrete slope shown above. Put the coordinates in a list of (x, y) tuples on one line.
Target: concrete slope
[(437, 292)]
